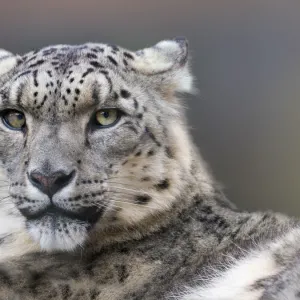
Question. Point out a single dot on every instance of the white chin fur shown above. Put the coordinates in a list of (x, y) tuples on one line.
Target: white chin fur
[(53, 239)]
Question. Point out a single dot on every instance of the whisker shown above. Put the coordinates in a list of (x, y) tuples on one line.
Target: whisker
[(120, 177), (131, 190), (116, 182), (137, 193), (134, 204), (5, 198)]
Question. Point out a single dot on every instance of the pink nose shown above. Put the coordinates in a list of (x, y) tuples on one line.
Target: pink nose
[(50, 184)]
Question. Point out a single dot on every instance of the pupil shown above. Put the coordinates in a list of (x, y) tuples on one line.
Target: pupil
[(106, 114), (20, 117)]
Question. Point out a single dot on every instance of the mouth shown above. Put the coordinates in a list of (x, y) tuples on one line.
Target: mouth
[(55, 228), (90, 214)]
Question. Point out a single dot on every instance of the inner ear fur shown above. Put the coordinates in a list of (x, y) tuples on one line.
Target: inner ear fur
[(166, 65)]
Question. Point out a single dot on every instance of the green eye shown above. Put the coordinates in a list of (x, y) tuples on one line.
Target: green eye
[(107, 117), (13, 119)]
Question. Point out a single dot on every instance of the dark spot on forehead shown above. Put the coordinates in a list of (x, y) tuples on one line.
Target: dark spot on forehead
[(91, 55), (112, 60), (88, 71), (115, 96), (96, 93), (23, 74), (125, 94), (96, 64), (128, 55), (35, 82), (39, 62)]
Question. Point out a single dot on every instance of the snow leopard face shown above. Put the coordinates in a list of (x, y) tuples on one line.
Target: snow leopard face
[(91, 136)]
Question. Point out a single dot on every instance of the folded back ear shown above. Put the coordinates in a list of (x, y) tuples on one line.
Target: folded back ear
[(7, 62), (167, 64)]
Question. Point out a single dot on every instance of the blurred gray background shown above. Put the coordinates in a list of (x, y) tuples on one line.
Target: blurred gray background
[(246, 58)]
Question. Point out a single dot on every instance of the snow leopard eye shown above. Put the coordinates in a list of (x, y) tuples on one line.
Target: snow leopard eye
[(13, 119), (107, 117)]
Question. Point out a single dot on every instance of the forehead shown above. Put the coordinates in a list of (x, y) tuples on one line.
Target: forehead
[(64, 80)]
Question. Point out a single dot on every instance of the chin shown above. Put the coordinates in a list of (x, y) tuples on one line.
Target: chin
[(58, 234)]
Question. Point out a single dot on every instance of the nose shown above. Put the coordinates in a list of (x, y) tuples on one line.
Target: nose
[(50, 184)]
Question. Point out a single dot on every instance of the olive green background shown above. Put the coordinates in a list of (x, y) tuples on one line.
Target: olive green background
[(246, 58)]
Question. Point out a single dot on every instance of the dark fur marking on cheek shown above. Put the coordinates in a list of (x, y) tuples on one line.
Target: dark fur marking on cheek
[(130, 126), (145, 179), (133, 129), (142, 199), (87, 143), (169, 152), (151, 153), (138, 153), (163, 185), (151, 135)]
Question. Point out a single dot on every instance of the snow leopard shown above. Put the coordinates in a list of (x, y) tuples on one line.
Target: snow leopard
[(104, 194)]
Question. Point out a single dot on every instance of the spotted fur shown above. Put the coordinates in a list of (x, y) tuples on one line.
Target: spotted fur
[(137, 214)]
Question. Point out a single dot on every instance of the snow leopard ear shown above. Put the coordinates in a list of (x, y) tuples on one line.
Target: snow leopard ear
[(167, 64), (7, 61)]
